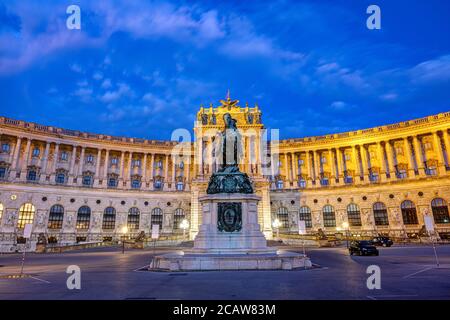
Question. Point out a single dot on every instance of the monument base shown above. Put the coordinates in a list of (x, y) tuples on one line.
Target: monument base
[(181, 261), (230, 238)]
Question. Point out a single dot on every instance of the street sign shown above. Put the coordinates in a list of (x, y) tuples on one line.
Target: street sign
[(155, 231), (301, 227), (428, 223), (27, 230)]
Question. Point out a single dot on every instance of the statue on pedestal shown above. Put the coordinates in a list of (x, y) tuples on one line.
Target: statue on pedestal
[(229, 179)]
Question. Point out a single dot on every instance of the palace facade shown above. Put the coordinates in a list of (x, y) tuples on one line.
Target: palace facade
[(76, 186)]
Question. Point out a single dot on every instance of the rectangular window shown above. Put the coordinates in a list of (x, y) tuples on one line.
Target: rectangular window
[(431, 171), (31, 175), (402, 174), (90, 158), (348, 180), (87, 181), (114, 161), (64, 156), (2, 173), (136, 163), (36, 152), (135, 184), (112, 182), (5, 147), (60, 178)]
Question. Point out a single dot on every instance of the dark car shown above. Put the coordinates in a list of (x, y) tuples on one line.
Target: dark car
[(362, 248), (382, 241)]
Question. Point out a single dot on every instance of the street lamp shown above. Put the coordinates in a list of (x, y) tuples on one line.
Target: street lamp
[(124, 232), (277, 224), (184, 225), (345, 226)]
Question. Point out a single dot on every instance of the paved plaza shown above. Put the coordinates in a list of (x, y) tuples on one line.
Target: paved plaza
[(406, 273)]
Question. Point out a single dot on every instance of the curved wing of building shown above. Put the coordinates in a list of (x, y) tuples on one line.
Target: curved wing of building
[(77, 186)]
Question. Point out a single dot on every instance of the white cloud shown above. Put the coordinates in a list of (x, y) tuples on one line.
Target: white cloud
[(106, 84), (111, 96), (431, 71), (98, 75)]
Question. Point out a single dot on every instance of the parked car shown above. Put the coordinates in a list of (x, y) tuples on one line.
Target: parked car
[(382, 241), (363, 248)]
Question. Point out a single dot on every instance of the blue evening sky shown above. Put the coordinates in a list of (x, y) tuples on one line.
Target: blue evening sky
[(143, 68)]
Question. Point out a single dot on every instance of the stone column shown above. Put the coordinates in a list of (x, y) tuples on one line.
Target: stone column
[(409, 156), (447, 146), (174, 169), (382, 162), (44, 163), (121, 167), (106, 166), (97, 167), (97, 163), (332, 167), (366, 157), (144, 171), (55, 158), (26, 155), (357, 177), (391, 159), (439, 153), (317, 171), (81, 165), (130, 160), (73, 156), (419, 156), (188, 177), (286, 171), (340, 169), (15, 159), (152, 166), (308, 178), (166, 170), (258, 153), (294, 168)]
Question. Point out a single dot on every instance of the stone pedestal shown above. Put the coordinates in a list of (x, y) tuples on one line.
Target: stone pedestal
[(218, 248), (249, 239)]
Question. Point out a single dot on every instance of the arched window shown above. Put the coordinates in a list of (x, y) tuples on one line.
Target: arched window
[(26, 215), (55, 217), (133, 218), (180, 186), (440, 210), (1, 212), (283, 217), (354, 215), (305, 215), (409, 212), (157, 217), (177, 218), (83, 218), (380, 214), (109, 218), (329, 218)]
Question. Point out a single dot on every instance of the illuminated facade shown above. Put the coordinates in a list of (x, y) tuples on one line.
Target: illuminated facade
[(77, 186)]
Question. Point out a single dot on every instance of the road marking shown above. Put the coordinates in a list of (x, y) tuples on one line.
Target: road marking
[(36, 278), (140, 269), (420, 271), (393, 296)]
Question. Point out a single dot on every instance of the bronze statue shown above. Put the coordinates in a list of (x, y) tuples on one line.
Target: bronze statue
[(231, 145), (229, 179)]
